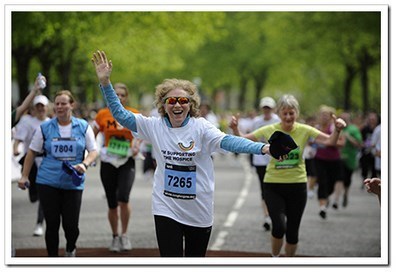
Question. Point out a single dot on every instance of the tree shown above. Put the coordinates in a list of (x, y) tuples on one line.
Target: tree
[(249, 54)]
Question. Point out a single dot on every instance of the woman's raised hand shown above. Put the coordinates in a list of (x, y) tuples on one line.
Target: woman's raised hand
[(339, 123), (103, 67)]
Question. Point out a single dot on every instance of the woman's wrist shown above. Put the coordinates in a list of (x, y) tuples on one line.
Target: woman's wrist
[(105, 82), (265, 149)]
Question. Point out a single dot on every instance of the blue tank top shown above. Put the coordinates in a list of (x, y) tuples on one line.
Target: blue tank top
[(57, 149)]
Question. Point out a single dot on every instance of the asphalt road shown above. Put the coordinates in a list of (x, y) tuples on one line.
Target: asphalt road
[(357, 234)]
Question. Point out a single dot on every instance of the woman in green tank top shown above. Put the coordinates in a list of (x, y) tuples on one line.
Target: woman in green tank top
[(285, 182)]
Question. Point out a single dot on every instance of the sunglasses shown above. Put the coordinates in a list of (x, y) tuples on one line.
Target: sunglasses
[(174, 100)]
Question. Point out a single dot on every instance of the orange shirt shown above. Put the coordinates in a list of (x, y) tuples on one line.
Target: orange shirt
[(111, 128)]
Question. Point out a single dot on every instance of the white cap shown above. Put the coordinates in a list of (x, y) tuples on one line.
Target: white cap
[(40, 99), (267, 102)]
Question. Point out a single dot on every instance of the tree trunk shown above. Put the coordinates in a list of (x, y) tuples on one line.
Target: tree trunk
[(350, 74), (46, 63), (366, 60), (22, 57), (259, 80), (242, 93)]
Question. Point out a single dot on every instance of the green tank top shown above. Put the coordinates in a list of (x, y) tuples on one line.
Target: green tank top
[(293, 169)]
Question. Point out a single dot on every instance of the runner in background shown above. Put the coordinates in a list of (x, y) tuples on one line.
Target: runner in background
[(24, 131), (348, 153), (260, 162), (309, 153), (327, 161), (117, 169)]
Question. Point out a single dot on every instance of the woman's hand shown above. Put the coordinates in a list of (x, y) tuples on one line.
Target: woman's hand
[(373, 185), (103, 67), (81, 168), (265, 150), (36, 86), (23, 183), (339, 123), (234, 125)]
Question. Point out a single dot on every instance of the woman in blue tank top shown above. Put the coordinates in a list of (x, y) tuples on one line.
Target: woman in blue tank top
[(60, 180)]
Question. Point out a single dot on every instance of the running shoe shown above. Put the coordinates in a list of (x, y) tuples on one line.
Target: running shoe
[(38, 230), (345, 201), (115, 245), (322, 214), (70, 253), (125, 243)]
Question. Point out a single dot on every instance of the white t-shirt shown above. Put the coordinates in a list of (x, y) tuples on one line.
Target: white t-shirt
[(183, 187), (263, 160), (376, 143), (25, 129)]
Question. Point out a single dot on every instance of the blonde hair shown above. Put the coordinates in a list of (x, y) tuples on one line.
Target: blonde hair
[(170, 84), (328, 109), (121, 86)]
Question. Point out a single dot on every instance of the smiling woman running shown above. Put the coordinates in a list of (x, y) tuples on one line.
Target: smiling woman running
[(183, 187)]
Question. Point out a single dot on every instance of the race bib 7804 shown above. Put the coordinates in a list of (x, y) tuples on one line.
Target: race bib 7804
[(64, 149)]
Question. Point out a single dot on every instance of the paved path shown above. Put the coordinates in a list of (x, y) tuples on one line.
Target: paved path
[(348, 233)]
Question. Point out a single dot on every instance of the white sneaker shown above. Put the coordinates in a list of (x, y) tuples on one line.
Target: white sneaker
[(38, 230), (125, 243), (70, 253), (115, 245), (310, 194)]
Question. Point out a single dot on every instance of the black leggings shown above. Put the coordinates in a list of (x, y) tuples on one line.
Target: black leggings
[(260, 174), (60, 204), (328, 173), (347, 175), (117, 182), (33, 192), (170, 236), (286, 203)]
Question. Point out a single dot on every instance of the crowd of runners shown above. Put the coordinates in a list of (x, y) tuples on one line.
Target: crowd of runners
[(177, 142)]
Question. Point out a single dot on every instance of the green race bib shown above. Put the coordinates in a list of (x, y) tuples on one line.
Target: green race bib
[(118, 147), (291, 162)]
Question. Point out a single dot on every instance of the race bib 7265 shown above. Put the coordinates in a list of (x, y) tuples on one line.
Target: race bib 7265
[(180, 181)]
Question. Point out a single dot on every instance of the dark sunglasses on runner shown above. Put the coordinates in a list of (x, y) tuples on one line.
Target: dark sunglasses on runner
[(174, 100)]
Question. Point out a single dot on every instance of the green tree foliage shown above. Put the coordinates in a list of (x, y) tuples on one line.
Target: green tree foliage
[(321, 57)]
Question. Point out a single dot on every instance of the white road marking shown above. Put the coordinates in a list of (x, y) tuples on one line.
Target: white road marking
[(234, 213)]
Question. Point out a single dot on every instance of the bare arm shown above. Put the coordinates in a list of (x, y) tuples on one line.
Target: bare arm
[(90, 158), (15, 147), (234, 123), (28, 100), (95, 131), (29, 159), (91, 155), (136, 146), (356, 143), (332, 139)]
